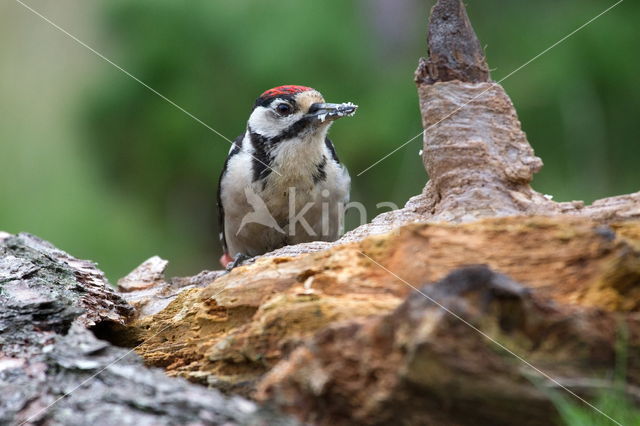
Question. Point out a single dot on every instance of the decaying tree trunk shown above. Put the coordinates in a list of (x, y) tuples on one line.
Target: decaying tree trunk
[(421, 365), (582, 280), (54, 371), (431, 314)]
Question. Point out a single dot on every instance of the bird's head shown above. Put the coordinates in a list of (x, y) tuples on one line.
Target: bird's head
[(288, 112)]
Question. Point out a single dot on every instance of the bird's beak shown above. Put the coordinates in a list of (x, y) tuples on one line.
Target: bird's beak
[(322, 112)]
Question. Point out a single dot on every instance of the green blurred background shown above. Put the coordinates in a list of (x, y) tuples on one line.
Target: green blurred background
[(105, 169)]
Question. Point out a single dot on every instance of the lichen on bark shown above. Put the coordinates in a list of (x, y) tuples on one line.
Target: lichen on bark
[(53, 369)]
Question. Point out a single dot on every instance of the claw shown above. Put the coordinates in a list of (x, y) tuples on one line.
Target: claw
[(237, 260)]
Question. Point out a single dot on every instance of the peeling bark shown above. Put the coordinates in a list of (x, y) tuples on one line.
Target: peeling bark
[(28, 268), (148, 291)]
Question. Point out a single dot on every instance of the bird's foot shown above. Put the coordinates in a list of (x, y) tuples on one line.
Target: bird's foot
[(238, 260)]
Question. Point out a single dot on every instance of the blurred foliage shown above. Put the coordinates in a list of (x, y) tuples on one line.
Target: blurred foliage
[(612, 403), (114, 173)]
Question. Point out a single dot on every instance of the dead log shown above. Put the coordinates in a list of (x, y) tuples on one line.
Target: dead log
[(419, 365), (244, 323), (54, 371)]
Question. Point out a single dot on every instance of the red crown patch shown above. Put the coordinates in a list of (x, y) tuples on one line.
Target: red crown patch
[(285, 90)]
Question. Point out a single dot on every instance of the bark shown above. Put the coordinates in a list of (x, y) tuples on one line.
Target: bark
[(48, 300), (581, 277), (454, 49), (423, 366), (147, 290)]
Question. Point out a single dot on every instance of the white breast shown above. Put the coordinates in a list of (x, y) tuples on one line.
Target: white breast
[(287, 193)]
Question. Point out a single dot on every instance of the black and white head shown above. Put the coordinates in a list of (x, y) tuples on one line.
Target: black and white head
[(294, 112)]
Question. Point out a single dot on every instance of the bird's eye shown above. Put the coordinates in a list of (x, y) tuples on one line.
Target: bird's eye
[(284, 109)]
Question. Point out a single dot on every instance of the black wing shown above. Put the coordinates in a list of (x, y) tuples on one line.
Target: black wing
[(237, 144)]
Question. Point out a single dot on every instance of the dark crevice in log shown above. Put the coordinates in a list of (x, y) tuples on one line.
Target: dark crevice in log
[(455, 52), (116, 334)]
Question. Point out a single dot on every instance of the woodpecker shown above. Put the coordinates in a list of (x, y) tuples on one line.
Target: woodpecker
[(282, 182)]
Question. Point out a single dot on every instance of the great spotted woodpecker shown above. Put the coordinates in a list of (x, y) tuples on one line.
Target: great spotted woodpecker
[(282, 182)]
